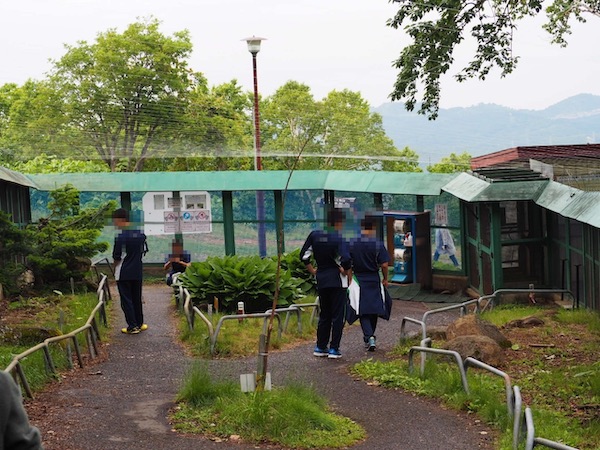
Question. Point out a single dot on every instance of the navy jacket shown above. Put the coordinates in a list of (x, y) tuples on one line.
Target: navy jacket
[(132, 243), (331, 252)]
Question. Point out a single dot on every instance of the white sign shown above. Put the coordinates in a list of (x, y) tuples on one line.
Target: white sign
[(166, 214), (192, 221)]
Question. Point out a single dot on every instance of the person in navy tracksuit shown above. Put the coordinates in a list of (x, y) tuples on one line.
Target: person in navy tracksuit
[(333, 272), (369, 255), (130, 246)]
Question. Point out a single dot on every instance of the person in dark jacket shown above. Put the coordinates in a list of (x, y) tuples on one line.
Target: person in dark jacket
[(369, 299), (16, 433), (130, 246), (177, 261), (333, 272)]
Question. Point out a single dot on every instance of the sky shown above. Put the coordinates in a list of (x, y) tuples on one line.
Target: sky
[(325, 44)]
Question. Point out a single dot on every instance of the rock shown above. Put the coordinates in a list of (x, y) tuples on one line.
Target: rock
[(479, 347), (437, 332), (472, 324), (527, 322)]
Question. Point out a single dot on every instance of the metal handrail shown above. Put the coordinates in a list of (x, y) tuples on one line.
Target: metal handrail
[(507, 383), (455, 355), (491, 297)]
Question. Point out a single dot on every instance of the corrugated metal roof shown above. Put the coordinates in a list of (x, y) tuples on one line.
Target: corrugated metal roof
[(15, 177), (350, 181), (474, 189), (573, 203)]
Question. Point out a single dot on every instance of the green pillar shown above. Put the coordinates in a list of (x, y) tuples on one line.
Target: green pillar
[(420, 203), (126, 200), (177, 209), (278, 196), (496, 246), (228, 229)]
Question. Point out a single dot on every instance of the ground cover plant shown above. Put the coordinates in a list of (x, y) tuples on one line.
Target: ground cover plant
[(555, 365), (248, 279), (292, 416)]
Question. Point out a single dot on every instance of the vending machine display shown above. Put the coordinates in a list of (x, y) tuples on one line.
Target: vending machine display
[(409, 245)]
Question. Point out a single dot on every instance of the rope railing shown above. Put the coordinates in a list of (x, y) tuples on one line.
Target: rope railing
[(92, 336)]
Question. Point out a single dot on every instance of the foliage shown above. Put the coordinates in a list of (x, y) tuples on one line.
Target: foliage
[(12, 243), (126, 93), (62, 243), (290, 262), (437, 27), (452, 164), (339, 132), (44, 163), (293, 416), (233, 279)]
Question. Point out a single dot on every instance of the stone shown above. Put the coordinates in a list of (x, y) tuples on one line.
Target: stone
[(473, 324), (479, 347)]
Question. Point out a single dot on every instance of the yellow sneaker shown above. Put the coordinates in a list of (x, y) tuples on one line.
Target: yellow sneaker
[(134, 330), (144, 327)]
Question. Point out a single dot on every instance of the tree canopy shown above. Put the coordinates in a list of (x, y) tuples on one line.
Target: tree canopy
[(452, 164), (437, 27), (129, 101)]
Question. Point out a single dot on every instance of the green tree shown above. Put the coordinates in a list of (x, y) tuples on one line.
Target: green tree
[(126, 93), (452, 164), (291, 120), (339, 132), (62, 243), (216, 132), (31, 121), (437, 27)]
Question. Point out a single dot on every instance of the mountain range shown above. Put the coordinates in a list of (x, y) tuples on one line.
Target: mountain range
[(486, 128)]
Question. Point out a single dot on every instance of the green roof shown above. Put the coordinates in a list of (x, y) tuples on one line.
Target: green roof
[(349, 181)]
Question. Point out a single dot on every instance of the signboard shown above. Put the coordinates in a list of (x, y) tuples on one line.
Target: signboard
[(191, 221), (165, 213), (441, 214)]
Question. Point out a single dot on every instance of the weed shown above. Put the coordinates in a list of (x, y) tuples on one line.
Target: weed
[(293, 416)]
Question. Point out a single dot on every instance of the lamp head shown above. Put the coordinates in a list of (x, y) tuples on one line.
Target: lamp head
[(254, 43)]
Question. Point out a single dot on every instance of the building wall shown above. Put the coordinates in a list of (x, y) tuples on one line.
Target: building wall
[(14, 200)]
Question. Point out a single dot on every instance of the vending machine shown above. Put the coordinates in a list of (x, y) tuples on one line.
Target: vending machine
[(409, 246)]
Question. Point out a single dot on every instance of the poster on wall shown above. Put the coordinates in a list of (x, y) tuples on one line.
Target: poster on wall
[(188, 213)]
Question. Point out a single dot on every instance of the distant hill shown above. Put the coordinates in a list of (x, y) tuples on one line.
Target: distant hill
[(487, 128)]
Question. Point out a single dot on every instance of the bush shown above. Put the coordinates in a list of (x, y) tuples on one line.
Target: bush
[(232, 279)]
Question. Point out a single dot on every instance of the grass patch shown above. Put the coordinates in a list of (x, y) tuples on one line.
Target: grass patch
[(241, 338), (559, 381), (53, 315), (293, 416)]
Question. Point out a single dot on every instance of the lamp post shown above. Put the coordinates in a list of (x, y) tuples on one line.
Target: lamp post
[(254, 47)]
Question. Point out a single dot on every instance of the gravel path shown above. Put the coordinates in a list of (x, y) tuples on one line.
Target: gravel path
[(121, 400)]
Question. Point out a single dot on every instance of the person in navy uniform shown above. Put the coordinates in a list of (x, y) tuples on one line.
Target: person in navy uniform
[(333, 272), (130, 246), (369, 299)]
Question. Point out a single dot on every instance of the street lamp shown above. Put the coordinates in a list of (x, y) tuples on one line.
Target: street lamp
[(254, 47)]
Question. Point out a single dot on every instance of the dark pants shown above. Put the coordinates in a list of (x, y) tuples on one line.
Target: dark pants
[(368, 323), (130, 292), (332, 302)]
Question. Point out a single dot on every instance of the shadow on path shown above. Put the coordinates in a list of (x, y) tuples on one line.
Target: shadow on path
[(123, 401)]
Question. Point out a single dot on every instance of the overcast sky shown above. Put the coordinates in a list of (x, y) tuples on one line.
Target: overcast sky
[(326, 44)]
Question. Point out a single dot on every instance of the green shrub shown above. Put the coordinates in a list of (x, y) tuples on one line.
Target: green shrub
[(231, 279)]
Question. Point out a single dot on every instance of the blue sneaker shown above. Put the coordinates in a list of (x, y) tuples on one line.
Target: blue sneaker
[(371, 344), (334, 353), (320, 351)]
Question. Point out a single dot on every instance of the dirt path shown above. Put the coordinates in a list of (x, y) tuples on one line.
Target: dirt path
[(121, 401)]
